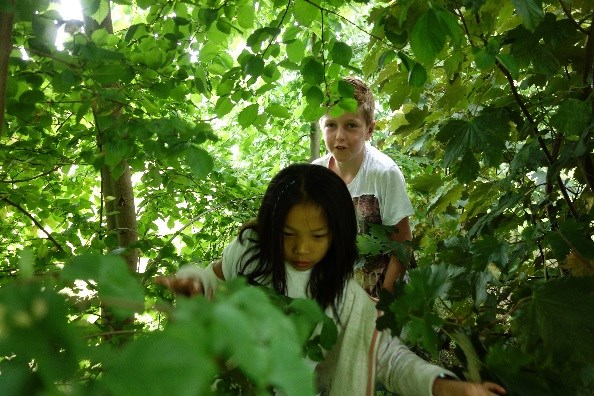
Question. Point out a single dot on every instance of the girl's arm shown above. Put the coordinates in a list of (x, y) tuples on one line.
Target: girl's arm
[(191, 280), (448, 387), (407, 374)]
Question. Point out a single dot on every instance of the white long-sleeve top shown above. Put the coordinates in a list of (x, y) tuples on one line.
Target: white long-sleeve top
[(361, 353)]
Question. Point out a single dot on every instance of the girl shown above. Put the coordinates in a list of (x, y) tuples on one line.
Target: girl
[(303, 245)]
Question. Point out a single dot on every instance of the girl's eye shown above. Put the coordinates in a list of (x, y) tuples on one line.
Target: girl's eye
[(287, 234), (320, 236)]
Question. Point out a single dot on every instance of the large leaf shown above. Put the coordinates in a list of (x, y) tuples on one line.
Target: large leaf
[(312, 71), (199, 161), (305, 12), (555, 306), (248, 115), (428, 37), (116, 286), (530, 11), (341, 53)]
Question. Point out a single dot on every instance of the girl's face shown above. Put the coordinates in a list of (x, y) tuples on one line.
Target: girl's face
[(306, 236)]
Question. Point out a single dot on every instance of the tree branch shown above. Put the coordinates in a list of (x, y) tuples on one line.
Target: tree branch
[(37, 223), (567, 12), (534, 131)]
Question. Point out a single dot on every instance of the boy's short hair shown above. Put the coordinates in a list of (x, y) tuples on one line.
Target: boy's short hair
[(364, 98)]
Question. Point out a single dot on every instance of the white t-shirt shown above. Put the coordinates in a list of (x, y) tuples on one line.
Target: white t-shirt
[(379, 195), (378, 189)]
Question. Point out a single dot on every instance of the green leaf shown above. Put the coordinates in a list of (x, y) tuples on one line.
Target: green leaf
[(207, 16), (246, 15), (296, 50), (530, 11), (417, 76), (115, 152), (154, 58), (305, 13), (312, 71), (277, 110), (260, 35), (306, 314), (314, 96), (35, 328), (484, 59), (563, 309), (111, 74), (223, 106), (572, 117), (248, 115), (177, 351), (32, 96), (26, 264), (117, 287), (428, 37), (449, 23), (64, 80), (254, 66), (45, 30), (199, 161), (510, 63), (473, 363), (578, 237), (341, 53)]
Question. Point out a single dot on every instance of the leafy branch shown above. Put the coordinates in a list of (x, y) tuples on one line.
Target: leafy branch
[(35, 221)]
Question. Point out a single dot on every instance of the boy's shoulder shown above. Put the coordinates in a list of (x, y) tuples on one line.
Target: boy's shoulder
[(378, 161), (324, 160)]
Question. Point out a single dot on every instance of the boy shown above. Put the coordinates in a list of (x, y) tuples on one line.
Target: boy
[(374, 180)]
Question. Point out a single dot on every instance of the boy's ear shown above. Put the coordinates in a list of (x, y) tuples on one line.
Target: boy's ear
[(370, 129)]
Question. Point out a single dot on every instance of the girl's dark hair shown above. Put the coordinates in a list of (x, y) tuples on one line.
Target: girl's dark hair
[(304, 183)]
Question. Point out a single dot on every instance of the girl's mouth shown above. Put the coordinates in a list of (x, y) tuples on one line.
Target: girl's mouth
[(301, 264)]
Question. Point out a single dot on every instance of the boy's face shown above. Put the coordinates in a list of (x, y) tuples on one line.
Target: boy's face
[(345, 135)]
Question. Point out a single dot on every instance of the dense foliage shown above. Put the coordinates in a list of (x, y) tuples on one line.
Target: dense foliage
[(486, 105)]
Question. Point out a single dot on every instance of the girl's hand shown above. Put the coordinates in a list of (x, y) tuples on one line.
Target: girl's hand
[(188, 287), (447, 387)]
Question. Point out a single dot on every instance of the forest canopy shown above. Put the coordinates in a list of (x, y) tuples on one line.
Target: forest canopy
[(145, 137)]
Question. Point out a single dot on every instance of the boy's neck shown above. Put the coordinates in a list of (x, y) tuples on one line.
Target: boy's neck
[(347, 170)]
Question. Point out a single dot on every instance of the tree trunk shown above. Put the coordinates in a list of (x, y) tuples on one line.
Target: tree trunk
[(117, 194), (6, 21), (121, 211), (314, 141)]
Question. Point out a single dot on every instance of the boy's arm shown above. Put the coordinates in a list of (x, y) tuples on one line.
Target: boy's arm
[(396, 269)]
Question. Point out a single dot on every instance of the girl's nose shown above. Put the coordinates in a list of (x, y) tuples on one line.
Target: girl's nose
[(301, 247)]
